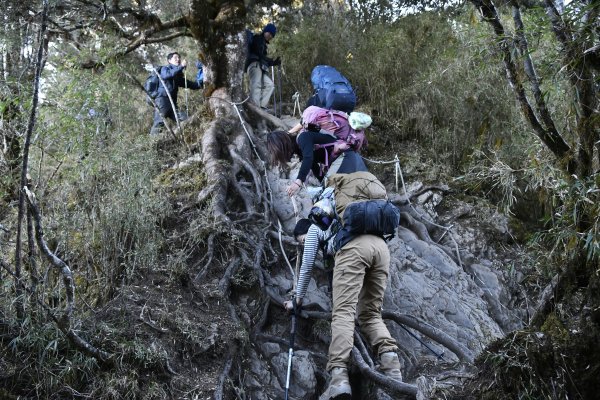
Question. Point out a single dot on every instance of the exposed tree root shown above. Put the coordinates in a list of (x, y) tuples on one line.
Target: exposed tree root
[(361, 346), (271, 119), (216, 171), (209, 253), (431, 332), (388, 384), (218, 395)]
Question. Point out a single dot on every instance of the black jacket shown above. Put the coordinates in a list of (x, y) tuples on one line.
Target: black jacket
[(258, 51)]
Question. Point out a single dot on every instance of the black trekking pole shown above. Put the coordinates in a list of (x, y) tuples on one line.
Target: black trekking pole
[(439, 356), (279, 84), (275, 92), (291, 351)]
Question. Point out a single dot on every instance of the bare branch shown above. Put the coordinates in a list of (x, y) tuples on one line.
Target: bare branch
[(39, 65), (218, 395), (530, 70)]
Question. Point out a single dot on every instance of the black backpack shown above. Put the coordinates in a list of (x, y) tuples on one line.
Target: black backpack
[(377, 217), (152, 84), (249, 40)]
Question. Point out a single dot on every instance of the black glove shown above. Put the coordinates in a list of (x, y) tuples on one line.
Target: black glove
[(277, 61), (313, 127)]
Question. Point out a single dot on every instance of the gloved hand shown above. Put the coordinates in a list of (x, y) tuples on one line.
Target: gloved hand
[(277, 61), (313, 127), (289, 305)]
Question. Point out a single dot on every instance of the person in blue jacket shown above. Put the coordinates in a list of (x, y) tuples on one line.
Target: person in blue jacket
[(173, 77)]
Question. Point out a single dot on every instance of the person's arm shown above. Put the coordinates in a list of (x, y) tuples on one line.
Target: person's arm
[(306, 144), (312, 242), (294, 131), (194, 85), (170, 71)]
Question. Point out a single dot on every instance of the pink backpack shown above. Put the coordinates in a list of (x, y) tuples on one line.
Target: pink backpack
[(335, 123)]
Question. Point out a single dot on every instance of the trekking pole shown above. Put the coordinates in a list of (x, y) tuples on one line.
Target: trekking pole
[(275, 91), (439, 356), (291, 351), (187, 110), (296, 98), (279, 84)]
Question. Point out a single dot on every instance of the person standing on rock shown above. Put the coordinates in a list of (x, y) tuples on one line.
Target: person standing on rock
[(359, 280), (257, 65)]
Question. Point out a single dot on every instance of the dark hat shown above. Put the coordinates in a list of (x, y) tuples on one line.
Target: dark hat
[(302, 227), (271, 29)]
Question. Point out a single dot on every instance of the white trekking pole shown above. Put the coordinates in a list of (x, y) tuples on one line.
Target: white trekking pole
[(288, 378), (187, 110)]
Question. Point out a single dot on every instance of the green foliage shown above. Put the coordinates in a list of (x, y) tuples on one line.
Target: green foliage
[(42, 362), (96, 178), (575, 223), (429, 77)]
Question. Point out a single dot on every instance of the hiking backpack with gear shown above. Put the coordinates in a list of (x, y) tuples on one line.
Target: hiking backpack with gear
[(362, 206), (249, 40), (332, 90), (335, 123), (152, 84), (377, 217), (318, 119)]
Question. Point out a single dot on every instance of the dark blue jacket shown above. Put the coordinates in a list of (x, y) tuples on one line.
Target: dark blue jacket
[(173, 77), (258, 51)]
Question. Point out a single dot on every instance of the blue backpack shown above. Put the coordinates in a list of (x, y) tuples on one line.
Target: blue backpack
[(152, 84), (332, 90)]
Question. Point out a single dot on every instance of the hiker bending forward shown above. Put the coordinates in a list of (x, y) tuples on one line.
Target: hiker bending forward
[(359, 280), (282, 146), (257, 65), (173, 77)]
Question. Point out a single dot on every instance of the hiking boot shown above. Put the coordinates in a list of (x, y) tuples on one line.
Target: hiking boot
[(157, 129), (389, 365), (339, 387)]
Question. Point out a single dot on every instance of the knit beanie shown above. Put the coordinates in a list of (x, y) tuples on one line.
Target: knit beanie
[(302, 227), (271, 29)]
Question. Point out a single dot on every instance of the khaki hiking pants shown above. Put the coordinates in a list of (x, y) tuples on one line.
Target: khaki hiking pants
[(359, 281), (261, 85)]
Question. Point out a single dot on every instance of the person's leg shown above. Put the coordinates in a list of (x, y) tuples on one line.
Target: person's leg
[(371, 297), (157, 122), (348, 274), (255, 82), (267, 90), (369, 306), (162, 111)]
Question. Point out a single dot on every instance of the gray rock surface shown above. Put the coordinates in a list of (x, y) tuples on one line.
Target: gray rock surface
[(303, 381), (465, 295)]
